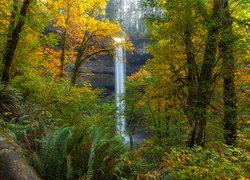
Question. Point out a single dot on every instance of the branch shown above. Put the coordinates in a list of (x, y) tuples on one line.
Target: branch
[(95, 53), (40, 1)]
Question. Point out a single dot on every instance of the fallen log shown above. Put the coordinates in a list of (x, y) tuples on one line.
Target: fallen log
[(12, 164)]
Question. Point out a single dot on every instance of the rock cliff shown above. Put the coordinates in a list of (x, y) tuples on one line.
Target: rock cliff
[(100, 72)]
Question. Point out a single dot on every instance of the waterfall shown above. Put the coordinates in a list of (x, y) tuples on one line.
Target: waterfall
[(120, 77)]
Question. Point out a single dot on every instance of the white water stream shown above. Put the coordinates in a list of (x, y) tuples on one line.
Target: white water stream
[(120, 77)]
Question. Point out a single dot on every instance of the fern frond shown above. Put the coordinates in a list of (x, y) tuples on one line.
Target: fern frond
[(54, 152), (9, 101)]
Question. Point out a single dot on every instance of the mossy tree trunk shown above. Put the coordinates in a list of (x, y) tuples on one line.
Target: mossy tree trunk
[(191, 74), (12, 42), (229, 92), (205, 81)]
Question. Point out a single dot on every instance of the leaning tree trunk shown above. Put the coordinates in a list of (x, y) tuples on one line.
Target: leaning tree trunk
[(13, 41), (205, 82), (12, 19), (230, 99), (12, 165), (79, 60)]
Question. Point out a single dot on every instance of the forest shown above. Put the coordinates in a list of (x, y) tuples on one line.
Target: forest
[(184, 106)]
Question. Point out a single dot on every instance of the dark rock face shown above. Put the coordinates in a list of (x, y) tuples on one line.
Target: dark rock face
[(100, 72)]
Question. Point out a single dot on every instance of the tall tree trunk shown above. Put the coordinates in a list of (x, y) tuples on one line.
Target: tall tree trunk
[(229, 93), (82, 57), (79, 58), (74, 74), (12, 19), (77, 64), (12, 24), (64, 39), (62, 58), (13, 42), (191, 76), (205, 82)]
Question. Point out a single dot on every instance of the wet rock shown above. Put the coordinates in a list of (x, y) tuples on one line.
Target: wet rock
[(100, 72)]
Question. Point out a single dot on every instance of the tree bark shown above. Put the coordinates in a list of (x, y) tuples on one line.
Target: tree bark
[(229, 92), (205, 82), (62, 58), (12, 164), (80, 59), (12, 19), (75, 74), (13, 42), (64, 40), (191, 76)]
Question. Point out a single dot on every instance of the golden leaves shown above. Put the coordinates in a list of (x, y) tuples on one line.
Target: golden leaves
[(52, 62)]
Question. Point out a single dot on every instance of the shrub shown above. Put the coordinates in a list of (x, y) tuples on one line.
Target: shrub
[(198, 163)]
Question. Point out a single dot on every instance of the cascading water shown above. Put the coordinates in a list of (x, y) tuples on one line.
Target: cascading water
[(120, 77)]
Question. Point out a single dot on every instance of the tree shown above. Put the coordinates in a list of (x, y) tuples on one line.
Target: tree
[(195, 61), (228, 65), (180, 34), (64, 36), (206, 79), (85, 34), (170, 90), (97, 40), (13, 41)]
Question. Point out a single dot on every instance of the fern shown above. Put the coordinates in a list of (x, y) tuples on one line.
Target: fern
[(9, 102), (72, 153), (70, 169), (91, 159), (105, 155), (38, 163), (53, 154)]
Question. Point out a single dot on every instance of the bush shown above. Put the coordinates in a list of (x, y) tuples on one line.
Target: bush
[(198, 163)]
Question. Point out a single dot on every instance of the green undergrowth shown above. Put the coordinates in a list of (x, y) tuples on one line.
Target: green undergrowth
[(200, 163)]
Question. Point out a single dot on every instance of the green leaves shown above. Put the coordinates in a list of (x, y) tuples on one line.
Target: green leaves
[(198, 163), (73, 152)]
